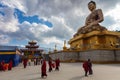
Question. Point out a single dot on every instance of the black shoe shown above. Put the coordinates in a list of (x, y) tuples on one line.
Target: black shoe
[(86, 76), (42, 76)]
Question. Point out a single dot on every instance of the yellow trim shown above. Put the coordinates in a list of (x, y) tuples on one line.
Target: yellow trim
[(7, 52)]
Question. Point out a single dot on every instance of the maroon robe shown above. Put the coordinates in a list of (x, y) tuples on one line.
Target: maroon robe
[(43, 69), (50, 65), (1, 67), (86, 68), (3, 63), (10, 65), (25, 63), (57, 62)]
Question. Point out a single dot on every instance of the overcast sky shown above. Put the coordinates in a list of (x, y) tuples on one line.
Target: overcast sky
[(50, 22)]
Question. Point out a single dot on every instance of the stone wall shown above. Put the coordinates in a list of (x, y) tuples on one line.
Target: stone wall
[(94, 55), (97, 55), (117, 55), (65, 56)]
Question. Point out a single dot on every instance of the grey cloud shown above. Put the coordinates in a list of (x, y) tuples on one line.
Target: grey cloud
[(22, 34), (58, 8), (108, 21), (8, 14)]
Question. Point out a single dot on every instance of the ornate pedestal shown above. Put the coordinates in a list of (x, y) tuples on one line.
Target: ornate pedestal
[(95, 40)]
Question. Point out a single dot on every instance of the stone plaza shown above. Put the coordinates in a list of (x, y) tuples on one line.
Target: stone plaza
[(68, 71)]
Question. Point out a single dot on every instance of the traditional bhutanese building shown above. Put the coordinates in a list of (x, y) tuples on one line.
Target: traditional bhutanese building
[(8, 53), (32, 50)]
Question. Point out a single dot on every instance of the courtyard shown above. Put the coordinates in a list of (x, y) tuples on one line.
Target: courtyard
[(68, 71)]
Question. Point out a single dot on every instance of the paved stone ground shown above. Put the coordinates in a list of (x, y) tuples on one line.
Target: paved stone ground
[(68, 71)]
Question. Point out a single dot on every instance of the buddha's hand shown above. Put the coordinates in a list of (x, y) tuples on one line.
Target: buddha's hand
[(92, 24)]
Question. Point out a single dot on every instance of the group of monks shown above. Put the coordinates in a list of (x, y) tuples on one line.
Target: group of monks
[(6, 66), (26, 61), (51, 66), (87, 65)]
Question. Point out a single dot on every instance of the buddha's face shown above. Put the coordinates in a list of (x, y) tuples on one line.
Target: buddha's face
[(91, 6)]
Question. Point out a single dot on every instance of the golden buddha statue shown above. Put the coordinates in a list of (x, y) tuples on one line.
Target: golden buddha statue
[(92, 21), (92, 35)]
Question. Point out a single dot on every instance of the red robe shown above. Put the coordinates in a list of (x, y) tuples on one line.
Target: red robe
[(57, 61), (1, 66), (85, 66), (10, 65), (3, 63), (43, 68), (25, 63), (50, 63)]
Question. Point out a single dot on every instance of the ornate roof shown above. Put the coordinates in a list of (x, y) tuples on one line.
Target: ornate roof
[(32, 42)]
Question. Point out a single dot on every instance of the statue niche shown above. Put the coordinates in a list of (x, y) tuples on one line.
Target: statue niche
[(92, 21)]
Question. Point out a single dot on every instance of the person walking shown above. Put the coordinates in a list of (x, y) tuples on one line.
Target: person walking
[(85, 66), (50, 64), (10, 65), (90, 67), (43, 69), (25, 62), (29, 62), (57, 62)]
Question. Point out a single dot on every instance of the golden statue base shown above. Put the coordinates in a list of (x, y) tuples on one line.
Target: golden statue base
[(95, 40)]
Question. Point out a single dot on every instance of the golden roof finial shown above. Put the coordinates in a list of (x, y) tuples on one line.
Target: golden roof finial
[(64, 43), (64, 47)]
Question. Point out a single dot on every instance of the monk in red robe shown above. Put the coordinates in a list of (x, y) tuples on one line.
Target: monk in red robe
[(50, 65), (86, 68), (57, 62), (3, 63), (25, 62), (90, 67), (1, 66), (43, 69), (10, 65)]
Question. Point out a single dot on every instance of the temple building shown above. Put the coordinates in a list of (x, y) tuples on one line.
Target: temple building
[(8, 53), (32, 50)]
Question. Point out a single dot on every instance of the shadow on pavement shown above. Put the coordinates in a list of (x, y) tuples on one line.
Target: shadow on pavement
[(32, 74), (37, 78), (77, 78)]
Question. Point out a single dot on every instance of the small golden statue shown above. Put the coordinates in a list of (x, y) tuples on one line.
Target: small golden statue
[(64, 47), (92, 21)]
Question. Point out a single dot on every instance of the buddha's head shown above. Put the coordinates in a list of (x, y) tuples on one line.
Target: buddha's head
[(92, 5)]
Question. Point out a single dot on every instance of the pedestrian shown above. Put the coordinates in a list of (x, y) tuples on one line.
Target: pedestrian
[(43, 69), (90, 67), (38, 61), (57, 62), (41, 60), (50, 64), (10, 65), (25, 62), (29, 62), (34, 61), (1, 66), (85, 66)]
